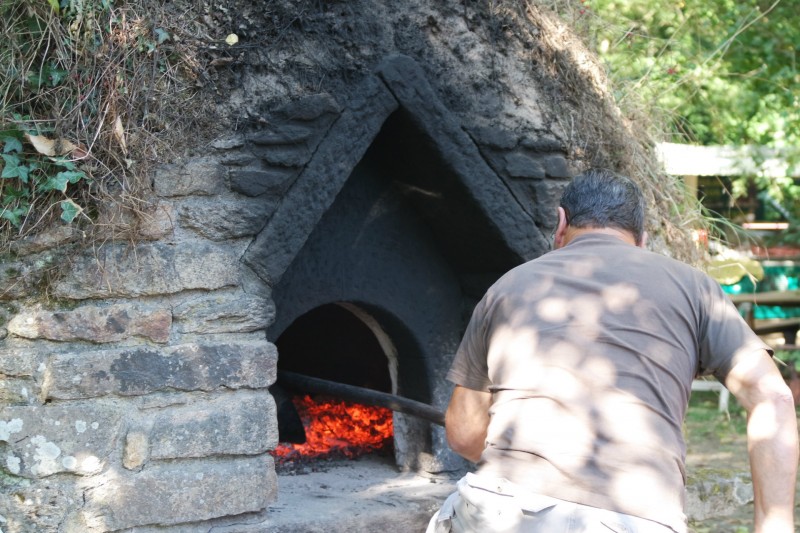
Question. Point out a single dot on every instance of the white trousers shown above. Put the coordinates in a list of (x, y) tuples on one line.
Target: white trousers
[(490, 505)]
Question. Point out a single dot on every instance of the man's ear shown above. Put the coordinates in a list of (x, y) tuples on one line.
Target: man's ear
[(561, 229), (643, 242)]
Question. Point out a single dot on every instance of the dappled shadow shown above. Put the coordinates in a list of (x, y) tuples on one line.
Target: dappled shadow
[(591, 367)]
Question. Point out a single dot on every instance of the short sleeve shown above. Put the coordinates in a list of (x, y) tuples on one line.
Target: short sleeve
[(469, 368), (726, 338)]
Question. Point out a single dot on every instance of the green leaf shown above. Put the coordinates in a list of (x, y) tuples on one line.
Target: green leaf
[(73, 176), (14, 215), (12, 195), (55, 5), (66, 163), (69, 210), (56, 76), (10, 144), (60, 181), (55, 183), (161, 35), (23, 172), (34, 80), (47, 75), (12, 166)]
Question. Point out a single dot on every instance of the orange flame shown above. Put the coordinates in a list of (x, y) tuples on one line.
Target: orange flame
[(337, 426)]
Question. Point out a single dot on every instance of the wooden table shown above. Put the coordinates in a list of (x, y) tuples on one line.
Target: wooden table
[(747, 303), (781, 298)]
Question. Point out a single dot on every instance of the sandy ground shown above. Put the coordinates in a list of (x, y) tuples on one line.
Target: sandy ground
[(370, 495), (363, 495), (726, 450)]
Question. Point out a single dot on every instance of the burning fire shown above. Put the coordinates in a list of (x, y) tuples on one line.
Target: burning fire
[(334, 426)]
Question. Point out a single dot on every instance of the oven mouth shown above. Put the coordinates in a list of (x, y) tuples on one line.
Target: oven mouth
[(336, 392), (333, 428)]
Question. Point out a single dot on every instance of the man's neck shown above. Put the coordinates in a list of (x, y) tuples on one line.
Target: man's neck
[(572, 233)]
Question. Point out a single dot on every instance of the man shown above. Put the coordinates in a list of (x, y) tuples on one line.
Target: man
[(574, 374)]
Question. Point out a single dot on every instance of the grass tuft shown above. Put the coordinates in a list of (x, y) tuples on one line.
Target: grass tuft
[(91, 95)]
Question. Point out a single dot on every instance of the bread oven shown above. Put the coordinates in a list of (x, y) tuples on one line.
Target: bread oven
[(382, 246), (380, 292)]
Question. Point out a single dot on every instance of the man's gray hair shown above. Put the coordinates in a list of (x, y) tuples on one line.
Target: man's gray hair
[(599, 198)]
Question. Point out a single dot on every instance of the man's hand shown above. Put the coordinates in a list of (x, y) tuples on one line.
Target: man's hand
[(466, 422), (771, 439)]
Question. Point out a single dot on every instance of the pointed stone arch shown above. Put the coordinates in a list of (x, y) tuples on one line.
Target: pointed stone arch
[(399, 85)]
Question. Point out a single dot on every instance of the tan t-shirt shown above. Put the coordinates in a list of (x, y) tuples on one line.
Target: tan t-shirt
[(589, 352)]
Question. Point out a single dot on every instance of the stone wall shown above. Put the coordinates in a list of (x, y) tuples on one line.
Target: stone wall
[(134, 375)]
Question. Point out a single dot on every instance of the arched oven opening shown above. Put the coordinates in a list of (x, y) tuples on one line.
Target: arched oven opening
[(337, 387), (331, 342)]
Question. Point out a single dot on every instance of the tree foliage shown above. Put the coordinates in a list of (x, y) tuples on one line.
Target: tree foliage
[(724, 71), (718, 72)]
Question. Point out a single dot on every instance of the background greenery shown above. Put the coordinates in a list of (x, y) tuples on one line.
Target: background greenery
[(724, 71), (716, 72)]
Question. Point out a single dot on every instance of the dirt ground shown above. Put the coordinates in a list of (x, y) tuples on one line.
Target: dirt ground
[(352, 496), (717, 441), (726, 451)]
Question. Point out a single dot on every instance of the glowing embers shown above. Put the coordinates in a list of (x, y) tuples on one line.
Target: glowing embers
[(335, 428)]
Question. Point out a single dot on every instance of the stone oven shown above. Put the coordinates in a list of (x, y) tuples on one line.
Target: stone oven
[(400, 224), (345, 226), (368, 222)]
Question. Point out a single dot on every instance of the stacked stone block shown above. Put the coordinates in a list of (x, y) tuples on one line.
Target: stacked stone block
[(134, 374)]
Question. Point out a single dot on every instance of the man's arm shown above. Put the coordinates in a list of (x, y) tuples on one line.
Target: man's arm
[(771, 439), (466, 422)]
